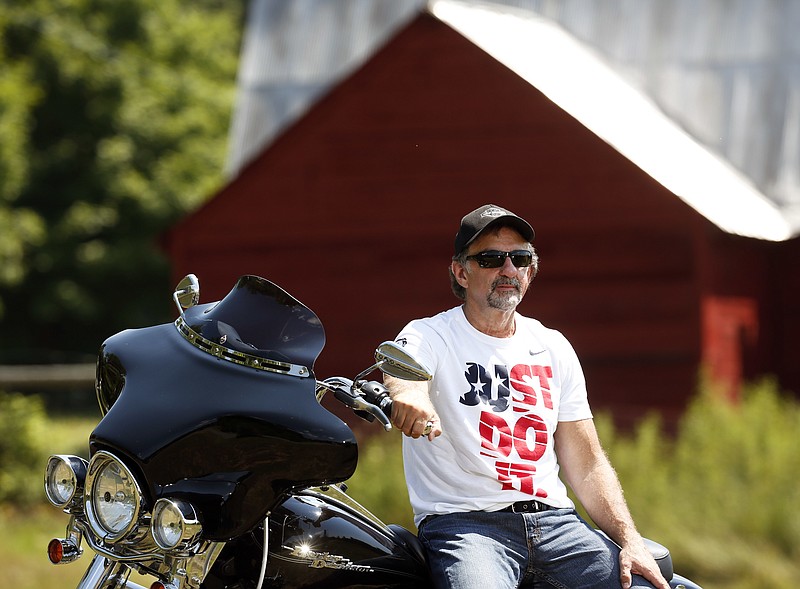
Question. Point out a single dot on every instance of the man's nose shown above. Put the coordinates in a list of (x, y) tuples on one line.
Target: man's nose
[(508, 268)]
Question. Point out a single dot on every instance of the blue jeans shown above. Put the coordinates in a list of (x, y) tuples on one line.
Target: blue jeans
[(554, 549)]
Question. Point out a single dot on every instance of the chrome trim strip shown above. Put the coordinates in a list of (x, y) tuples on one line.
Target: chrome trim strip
[(137, 557), (104, 573), (224, 353), (96, 544)]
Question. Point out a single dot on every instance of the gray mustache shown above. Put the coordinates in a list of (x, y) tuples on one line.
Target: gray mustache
[(503, 281)]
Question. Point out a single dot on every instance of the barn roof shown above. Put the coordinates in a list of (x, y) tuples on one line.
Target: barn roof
[(286, 68)]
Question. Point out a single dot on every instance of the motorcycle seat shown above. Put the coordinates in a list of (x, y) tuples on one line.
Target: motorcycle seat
[(660, 554), (662, 557), (410, 541)]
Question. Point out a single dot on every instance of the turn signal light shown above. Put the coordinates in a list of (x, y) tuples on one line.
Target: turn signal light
[(55, 551), (62, 551)]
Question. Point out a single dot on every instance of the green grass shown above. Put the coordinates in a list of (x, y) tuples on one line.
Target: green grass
[(24, 546), (27, 530), (69, 435)]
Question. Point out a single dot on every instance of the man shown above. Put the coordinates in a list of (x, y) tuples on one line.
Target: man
[(506, 411)]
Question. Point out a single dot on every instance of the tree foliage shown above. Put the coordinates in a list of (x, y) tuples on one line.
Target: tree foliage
[(114, 116)]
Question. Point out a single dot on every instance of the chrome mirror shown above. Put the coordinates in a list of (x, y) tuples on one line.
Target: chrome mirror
[(187, 293), (393, 360)]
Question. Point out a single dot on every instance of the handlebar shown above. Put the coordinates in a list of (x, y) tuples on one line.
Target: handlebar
[(368, 399), (377, 394)]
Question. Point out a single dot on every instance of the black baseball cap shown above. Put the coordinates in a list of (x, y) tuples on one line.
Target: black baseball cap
[(473, 224)]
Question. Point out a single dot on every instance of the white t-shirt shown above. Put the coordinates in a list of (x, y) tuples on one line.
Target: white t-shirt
[(499, 401)]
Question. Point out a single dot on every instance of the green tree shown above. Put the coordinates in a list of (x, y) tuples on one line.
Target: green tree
[(114, 116), (20, 228)]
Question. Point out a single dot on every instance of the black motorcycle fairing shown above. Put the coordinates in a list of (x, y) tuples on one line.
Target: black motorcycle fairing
[(228, 438)]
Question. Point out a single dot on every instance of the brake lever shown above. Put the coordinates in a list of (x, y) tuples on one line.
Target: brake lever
[(361, 404)]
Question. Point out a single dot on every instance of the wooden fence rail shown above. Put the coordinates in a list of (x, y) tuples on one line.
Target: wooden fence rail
[(46, 376)]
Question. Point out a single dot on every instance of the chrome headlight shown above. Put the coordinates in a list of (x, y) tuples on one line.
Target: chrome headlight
[(113, 498), (64, 479), (175, 524)]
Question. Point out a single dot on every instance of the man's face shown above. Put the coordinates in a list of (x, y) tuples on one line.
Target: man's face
[(495, 288)]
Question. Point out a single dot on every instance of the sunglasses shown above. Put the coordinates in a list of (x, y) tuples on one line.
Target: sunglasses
[(495, 258)]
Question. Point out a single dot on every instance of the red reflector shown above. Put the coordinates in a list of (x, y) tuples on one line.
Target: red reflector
[(55, 551), (157, 585)]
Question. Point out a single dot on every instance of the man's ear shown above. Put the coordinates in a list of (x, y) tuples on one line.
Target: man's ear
[(460, 273), (531, 275)]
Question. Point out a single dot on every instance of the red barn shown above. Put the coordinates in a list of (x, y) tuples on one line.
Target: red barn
[(353, 210)]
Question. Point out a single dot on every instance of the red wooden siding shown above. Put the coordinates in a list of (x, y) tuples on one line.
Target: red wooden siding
[(354, 210)]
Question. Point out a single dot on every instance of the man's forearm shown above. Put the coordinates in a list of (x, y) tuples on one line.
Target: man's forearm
[(601, 495)]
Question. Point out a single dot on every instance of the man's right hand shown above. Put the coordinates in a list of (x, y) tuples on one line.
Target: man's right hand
[(412, 410)]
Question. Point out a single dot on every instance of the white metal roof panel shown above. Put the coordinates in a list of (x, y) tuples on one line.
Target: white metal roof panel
[(579, 82)]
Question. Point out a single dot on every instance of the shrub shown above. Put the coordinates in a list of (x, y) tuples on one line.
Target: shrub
[(722, 493), (22, 432)]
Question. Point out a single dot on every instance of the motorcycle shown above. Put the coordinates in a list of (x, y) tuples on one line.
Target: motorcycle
[(216, 466)]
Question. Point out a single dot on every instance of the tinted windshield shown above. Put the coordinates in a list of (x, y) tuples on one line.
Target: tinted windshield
[(261, 319)]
